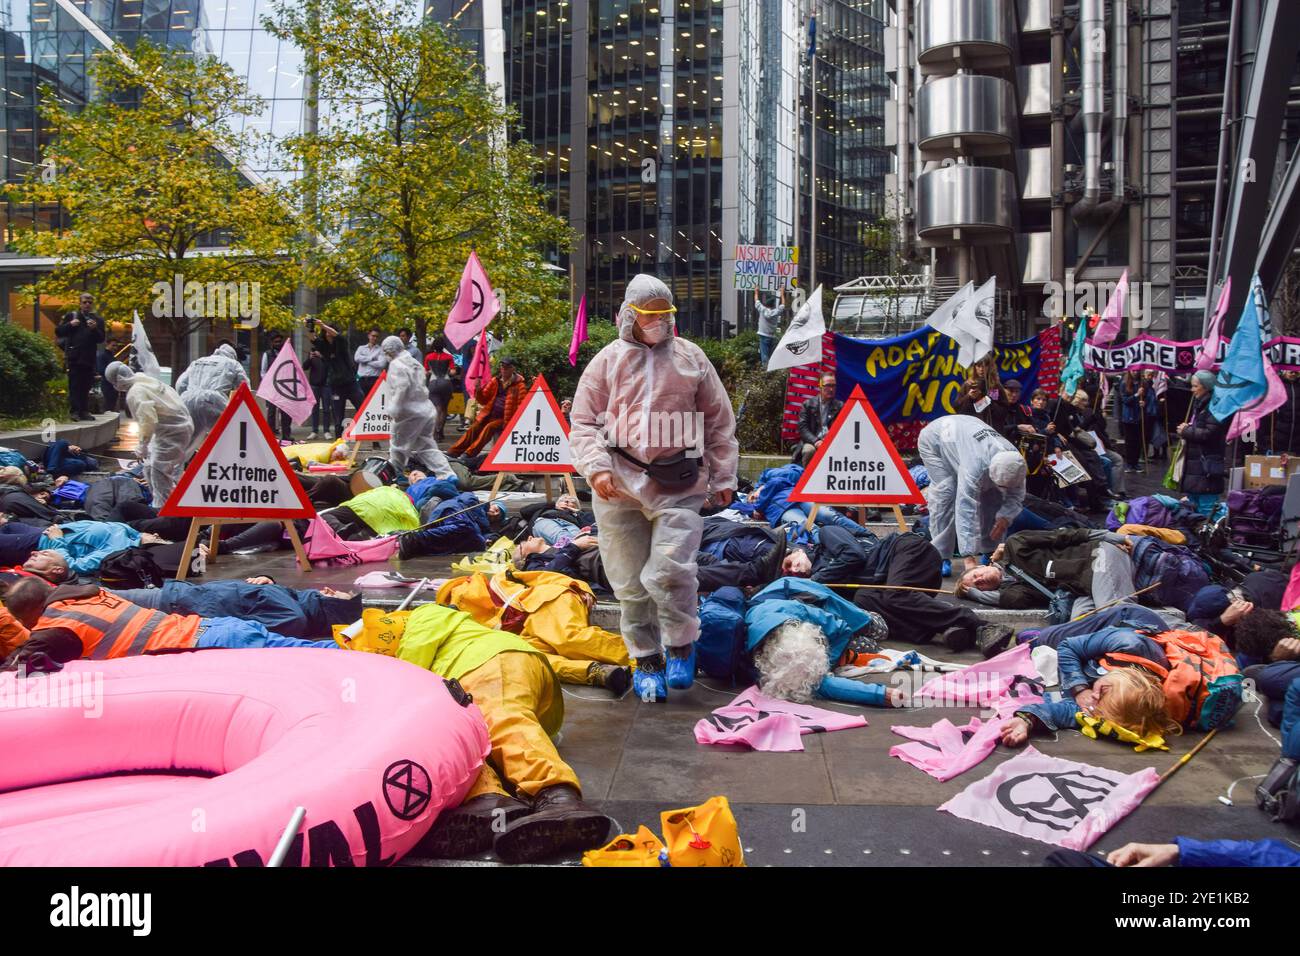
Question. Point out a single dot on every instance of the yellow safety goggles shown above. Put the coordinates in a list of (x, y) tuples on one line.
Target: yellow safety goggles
[(668, 311)]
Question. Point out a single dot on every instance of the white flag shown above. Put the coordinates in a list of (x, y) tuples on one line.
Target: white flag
[(802, 342), (969, 323), (143, 350)]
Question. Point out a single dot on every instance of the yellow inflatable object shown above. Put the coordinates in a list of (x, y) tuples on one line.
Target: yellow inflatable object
[(381, 634), (703, 836), (627, 849)]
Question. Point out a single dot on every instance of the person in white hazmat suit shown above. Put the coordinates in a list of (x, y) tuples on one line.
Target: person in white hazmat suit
[(413, 414), (205, 388), (652, 396), (977, 486), (165, 427)]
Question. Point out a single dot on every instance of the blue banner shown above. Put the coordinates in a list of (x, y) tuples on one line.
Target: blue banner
[(915, 377)]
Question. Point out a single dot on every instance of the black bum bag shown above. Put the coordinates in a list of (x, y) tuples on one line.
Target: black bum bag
[(675, 473)]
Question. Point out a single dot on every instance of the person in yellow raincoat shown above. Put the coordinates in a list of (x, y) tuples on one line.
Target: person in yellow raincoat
[(550, 612), (515, 688)]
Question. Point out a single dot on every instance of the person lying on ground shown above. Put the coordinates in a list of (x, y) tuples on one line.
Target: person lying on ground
[(29, 502), (794, 644), (62, 459), (459, 525), (902, 560), (319, 452), (1125, 697), (770, 500), (1219, 609), (1092, 565), (552, 613), (305, 613), (74, 621), (1185, 851), (731, 554), (521, 701), (64, 552), (555, 523)]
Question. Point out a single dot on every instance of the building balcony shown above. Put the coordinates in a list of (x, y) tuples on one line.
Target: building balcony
[(956, 204), (967, 32), (967, 114)]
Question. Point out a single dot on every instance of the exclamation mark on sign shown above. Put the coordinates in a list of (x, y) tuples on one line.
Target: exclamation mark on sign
[(538, 426), (857, 435), (243, 439)]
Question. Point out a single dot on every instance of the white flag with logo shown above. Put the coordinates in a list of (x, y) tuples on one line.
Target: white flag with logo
[(143, 350), (967, 319), (802, 342)]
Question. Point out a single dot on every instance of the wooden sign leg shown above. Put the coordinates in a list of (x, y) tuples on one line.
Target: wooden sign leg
[(496, 485), (862, 515), (550, 490), (292, 531), (568, 480), (186, 556), (898, 516), (214, 542), (812, 518)]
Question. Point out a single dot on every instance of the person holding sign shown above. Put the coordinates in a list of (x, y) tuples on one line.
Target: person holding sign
[(414, 416), (977, 485), (165, 427), (649, 485)]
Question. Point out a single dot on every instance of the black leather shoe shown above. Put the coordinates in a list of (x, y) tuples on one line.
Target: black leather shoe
[(470, 828), (993, 639), (560, 823), (957, 639), (611, 677)]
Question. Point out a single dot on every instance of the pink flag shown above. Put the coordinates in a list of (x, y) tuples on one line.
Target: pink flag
[(325, 547), (480, 366), (475, 304), (1209, 357), (285, 386), (579, 331), (1291, 597), (945, 750), (1273, 399), (1056, 801), (1113, 318), (767, 723), (1010, 674)]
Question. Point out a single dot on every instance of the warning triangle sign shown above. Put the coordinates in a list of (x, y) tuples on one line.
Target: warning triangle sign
[(239, 472), (374, 421), (536, 439), (857, 463)]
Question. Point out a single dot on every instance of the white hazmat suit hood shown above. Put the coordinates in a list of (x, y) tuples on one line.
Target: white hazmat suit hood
[(652, 401), (413, 415), (976, 477), (165, 427)]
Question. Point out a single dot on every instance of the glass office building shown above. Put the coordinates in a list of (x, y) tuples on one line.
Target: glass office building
[(667, 133), (47, 42)]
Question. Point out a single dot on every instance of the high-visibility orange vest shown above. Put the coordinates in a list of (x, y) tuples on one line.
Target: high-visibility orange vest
[(110, 626)]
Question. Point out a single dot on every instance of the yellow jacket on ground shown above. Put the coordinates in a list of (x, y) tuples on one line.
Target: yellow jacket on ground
[(385, 509)]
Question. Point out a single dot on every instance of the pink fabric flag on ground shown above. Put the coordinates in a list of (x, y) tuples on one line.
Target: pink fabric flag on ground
[(946, 750), (579, 331), (982, 684), (1209, 357), (1113, 318), (475, 304), (1291, 597), (1060, 802), (480, 366), (285, 386), (767, 723), (325, 547)]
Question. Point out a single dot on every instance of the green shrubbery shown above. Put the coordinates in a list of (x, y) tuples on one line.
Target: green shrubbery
[(28, 368), (757, 396)]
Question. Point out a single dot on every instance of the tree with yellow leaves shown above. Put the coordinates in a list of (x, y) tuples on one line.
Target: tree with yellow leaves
[(149, 173), (412, 169)]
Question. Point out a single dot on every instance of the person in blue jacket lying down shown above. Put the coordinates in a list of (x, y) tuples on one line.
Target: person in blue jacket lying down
[(1185, 851), (794, 644)]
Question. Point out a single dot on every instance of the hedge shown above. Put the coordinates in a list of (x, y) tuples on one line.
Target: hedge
[(28, 367)]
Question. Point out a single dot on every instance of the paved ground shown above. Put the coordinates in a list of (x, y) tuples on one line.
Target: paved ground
[(844, 800)]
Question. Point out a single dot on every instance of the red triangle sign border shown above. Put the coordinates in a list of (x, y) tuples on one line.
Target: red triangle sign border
[(857, 498), (349, 433), (242, 396), (490, 462)]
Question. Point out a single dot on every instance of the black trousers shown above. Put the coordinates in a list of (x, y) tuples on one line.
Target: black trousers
[(80, 378), (912, 615), (1133, 450)]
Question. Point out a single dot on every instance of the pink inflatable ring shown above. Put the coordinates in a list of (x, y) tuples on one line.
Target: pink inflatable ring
[(201, 758)]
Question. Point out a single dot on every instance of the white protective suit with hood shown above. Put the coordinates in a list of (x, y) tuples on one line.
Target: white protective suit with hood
[(414, 416), (976, 477), (649, 538), (165, 427), (205, 388)]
